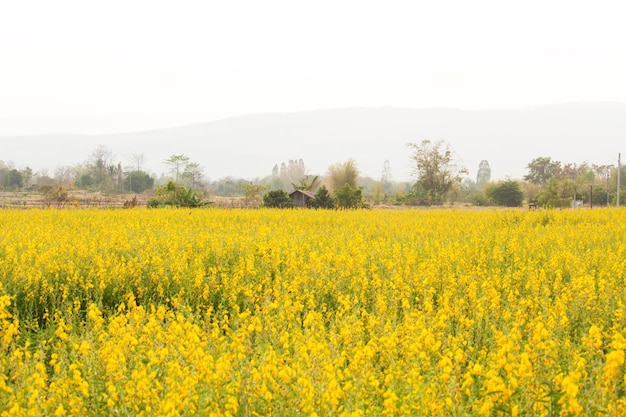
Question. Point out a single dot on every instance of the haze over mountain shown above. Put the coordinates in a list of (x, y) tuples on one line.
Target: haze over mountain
[(250, 146)]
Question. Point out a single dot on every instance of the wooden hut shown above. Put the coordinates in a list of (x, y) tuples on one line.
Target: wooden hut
[(300, 198)]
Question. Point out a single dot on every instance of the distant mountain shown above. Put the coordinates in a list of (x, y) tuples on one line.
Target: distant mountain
[(250, 146)]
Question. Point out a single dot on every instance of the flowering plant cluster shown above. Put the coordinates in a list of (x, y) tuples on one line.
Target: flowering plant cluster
[(344, 313)]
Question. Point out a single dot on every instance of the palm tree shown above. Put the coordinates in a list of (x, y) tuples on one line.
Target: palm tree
[(307, 183)]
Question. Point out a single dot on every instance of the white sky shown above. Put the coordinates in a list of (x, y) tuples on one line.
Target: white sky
[(100, 67)]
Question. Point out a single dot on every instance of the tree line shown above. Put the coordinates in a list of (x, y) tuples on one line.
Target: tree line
[(548, 182), (438, 179)]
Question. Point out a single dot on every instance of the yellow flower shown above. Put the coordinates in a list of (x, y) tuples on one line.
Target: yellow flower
[(60, 411)]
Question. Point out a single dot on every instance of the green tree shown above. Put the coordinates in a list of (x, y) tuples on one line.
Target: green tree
[(138, 181), (277, 199), (551, 195), (322, 199), (252, 192), (344, 173), (599, 196), (542, 170), (349, 198), (507, 193), (85, 181), (613, 183), (436, 170), (602, 174), (14, 180)]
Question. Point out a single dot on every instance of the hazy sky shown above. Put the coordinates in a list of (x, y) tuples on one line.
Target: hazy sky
[(109, 66)]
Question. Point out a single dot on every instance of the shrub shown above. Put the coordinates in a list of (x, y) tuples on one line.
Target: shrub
[(507, 193), (176, 195), (277, 199), (322, 199), (348, 197)]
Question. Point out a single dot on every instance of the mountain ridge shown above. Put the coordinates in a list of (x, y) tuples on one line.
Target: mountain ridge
[(248, 146)]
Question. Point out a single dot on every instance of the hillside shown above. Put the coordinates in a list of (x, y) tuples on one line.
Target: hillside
[(249, 146)]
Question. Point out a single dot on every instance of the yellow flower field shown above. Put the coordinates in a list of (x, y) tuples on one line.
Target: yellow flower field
[(301, 312)]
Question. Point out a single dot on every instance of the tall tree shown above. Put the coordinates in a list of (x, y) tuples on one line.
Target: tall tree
[(386, 177), (99, 160), (27, 173), (176, 165), (436, 169), (14, 180), (292, 171), (138, 159), (64, 175), (602, 172), (4, 172), (542, 170), (112, 171), (343, 173), (193, 174)]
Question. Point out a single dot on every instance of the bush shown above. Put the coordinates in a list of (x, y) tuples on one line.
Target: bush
[(479, 199), (348, 197), (507, 193), (138, 182), (322, 199), (277, 199), (176, 195)]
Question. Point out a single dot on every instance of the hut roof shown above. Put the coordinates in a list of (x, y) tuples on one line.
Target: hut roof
[(306, 193)]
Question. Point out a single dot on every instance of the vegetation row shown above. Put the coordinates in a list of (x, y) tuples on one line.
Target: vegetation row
[(438, 179)]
